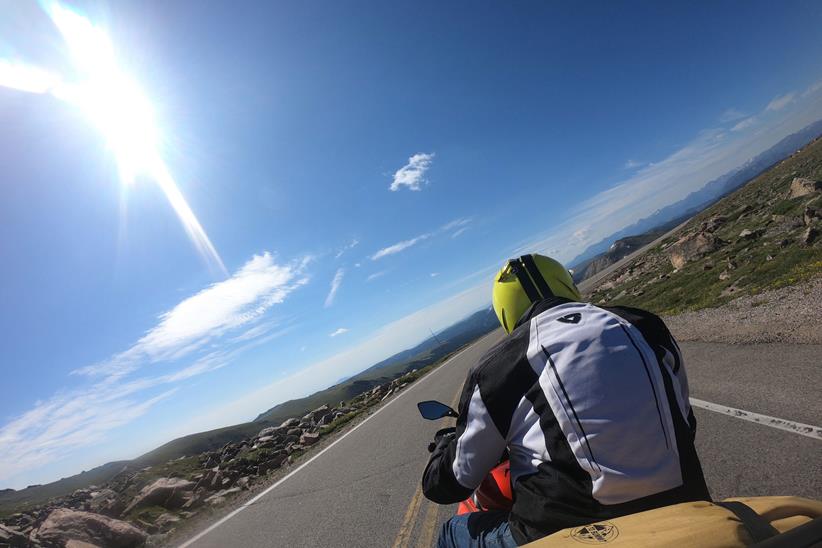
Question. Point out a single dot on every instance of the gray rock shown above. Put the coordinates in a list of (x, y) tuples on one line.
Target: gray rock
[(166, 521), (169, 493), (309, 438), (63, 525), (294, 432), (10, 536), (692, 247), (810, 215), (801, 186), (810, 235), (290, 423)]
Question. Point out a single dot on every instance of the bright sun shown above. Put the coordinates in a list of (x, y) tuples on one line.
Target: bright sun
[(115, 105)]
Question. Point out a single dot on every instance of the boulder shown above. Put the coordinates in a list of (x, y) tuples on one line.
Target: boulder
[(810, 235), (748, 234), (801, 186), (63, 525), (270, 431), (692, 247), (219, 496), (290, 423), (170, 493), (318, 414), (294, 432), (106, 502), (810, 215), (10, 536), (713, 223), (81, 544), (272, 464), (166, 521), (309, 438)]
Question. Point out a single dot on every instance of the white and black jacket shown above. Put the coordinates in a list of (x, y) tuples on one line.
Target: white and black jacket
[(591, 404)]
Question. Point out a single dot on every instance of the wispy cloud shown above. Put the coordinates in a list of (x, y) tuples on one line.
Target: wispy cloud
[(375, 275), (459, 231), (631, 164), (459, 225), (455, 224), (731, 115), (435, 274), (412, 174), (350, 245), (339, 331), (399, 246), (202, 333), (206, 316), (780, 102), (335, 285), (744, 124), (813, 88)]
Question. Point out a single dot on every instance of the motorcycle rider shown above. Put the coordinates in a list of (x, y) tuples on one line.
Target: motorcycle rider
[(591, 403)]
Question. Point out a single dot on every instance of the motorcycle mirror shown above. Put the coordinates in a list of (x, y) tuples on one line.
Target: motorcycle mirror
[(433, 410)]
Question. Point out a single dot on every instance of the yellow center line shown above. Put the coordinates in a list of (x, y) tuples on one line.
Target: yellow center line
[(404, 534), (431, 514), (429, 525)]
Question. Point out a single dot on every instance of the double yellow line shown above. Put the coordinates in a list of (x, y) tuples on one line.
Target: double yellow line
[(429, 522)]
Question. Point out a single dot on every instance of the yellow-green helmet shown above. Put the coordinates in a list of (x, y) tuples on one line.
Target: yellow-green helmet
[(526, 280)]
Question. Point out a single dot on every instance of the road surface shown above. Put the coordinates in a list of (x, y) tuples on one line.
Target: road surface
[(363, 490)]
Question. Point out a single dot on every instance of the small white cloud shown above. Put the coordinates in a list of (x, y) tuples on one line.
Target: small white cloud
[(730, 115), (375, 275), (400, 246), (435, 274), (412, 174), (744, 124), (351, 245), (335, 285), (631, 164), (458, 232), (339, 331), (780, 102)]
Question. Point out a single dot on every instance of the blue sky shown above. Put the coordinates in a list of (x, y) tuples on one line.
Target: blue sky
[(361, 168)]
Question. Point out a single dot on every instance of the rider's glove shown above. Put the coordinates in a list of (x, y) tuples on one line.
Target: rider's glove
[(442, 438)]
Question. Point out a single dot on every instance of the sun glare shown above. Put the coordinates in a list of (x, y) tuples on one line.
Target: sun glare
[(115, 105)]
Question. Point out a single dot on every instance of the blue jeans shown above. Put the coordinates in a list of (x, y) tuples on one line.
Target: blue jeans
[(477, 530)]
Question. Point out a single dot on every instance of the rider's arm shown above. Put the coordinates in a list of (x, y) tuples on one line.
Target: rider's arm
[(458, 466)]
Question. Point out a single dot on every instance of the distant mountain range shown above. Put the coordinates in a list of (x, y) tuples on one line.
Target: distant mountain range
[(426, 353), (710, 193)]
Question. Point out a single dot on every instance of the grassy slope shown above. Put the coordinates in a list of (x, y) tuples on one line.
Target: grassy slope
[(698, 284)]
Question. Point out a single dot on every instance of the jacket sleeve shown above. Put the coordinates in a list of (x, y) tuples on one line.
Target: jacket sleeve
[(458, 467)]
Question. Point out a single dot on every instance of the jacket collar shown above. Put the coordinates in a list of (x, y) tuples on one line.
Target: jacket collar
[(539, 307)]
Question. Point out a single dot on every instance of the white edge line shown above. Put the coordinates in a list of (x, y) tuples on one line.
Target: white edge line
[(270, 488), (808, 430)]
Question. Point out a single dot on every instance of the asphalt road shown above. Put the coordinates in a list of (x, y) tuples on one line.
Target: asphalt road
[(364, 490)]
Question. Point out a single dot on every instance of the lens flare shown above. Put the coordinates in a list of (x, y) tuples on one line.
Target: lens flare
[(116, 106)]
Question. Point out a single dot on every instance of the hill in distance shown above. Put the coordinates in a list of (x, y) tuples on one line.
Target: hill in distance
[(426, 353)]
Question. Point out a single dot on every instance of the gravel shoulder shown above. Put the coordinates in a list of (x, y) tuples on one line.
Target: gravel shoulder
[(791, 314)]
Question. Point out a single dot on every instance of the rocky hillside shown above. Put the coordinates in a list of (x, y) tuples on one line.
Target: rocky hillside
[(621, 249), (140, 507), (764, 235)]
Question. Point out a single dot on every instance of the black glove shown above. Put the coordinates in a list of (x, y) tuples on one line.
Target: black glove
[(442, 438)]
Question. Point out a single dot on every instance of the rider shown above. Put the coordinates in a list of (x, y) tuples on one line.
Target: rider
[(590, 402)]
